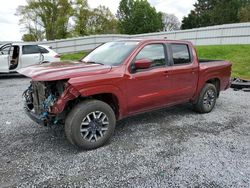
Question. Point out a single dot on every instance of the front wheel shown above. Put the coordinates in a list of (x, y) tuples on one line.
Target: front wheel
[(207, 99), (90, 124)]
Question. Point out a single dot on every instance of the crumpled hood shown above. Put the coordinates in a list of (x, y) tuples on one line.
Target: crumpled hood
[(63, 70)]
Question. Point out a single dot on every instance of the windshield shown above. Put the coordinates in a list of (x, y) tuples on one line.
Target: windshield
[(111, 53)]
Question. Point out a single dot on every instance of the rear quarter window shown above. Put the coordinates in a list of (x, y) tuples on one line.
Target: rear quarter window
[(43, 50), (181, 54)]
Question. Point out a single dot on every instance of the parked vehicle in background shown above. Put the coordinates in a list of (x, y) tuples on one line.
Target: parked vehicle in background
[(14, 56), (121, 79)]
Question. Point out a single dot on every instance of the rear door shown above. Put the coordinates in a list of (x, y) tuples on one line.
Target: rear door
[(47, 55), (183, 72), (5, 58), (30, 55), (148, 88)]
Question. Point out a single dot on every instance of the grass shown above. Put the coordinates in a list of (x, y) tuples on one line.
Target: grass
[(238, 55), (75, 56)]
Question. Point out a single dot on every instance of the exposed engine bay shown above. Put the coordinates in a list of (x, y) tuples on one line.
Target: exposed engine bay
[(45, 101)]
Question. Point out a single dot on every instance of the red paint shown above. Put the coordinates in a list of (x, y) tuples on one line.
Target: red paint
[(139, 92), (142, 64), (68, 94), (62, 70)]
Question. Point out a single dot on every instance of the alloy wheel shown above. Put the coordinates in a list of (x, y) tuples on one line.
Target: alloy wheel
[(94, 126)]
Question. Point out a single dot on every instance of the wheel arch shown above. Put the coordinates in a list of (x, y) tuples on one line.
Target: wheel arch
[(109, 94), (201, 84), (216, 82), (109, 98)]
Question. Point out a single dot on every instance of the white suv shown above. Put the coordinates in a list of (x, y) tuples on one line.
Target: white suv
[(14, 56)]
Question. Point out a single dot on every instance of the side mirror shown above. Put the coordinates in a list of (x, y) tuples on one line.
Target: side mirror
[(142, 64)]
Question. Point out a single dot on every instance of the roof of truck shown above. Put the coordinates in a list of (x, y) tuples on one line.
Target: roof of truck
[(154, 40)]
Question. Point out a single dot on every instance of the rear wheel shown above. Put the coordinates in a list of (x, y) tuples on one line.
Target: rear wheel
[(90, 124), (207, 99)]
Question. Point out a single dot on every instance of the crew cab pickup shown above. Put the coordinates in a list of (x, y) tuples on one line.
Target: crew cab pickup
[(120, 79)]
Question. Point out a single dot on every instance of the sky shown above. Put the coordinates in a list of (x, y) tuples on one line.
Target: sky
[(10, 30)]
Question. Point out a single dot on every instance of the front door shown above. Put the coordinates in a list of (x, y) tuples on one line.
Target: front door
[(5, 58), (148, 88)]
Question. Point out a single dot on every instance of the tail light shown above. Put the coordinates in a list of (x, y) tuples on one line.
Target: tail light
[(57, 56)]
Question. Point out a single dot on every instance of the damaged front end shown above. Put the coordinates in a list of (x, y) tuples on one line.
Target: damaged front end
[(45, 102)]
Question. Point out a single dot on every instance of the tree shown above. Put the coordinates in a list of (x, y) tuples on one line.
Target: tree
[(203, 11), (124, 15), (97, 21), (170, 22), (200, 16), (244, 14), (28, 38), (213, 12), (81, 17), (35, 31), (48, 16), (225, 12), (191, 21), (64, 12), (137, 16), (101, 21)]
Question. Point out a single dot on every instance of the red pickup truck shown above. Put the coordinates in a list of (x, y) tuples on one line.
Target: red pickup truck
[(121, 79)]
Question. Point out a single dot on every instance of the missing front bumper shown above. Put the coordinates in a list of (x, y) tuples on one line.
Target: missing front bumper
[(35, 117)]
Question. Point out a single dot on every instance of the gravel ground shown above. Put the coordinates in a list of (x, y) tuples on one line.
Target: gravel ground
[(173, 147)]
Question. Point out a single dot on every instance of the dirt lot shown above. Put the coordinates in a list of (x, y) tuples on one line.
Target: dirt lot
[(173, 147)]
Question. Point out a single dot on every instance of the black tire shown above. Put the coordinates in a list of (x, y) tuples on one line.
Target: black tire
[(85, 129), (207, 99)]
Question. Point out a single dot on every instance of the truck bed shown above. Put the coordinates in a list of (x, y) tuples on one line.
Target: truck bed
[(219, 69)]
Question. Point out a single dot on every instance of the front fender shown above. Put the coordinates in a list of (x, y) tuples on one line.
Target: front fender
[(85, 92)]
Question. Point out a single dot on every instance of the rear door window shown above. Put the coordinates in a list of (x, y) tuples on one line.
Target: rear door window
[(30, 49), (181, 54)]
